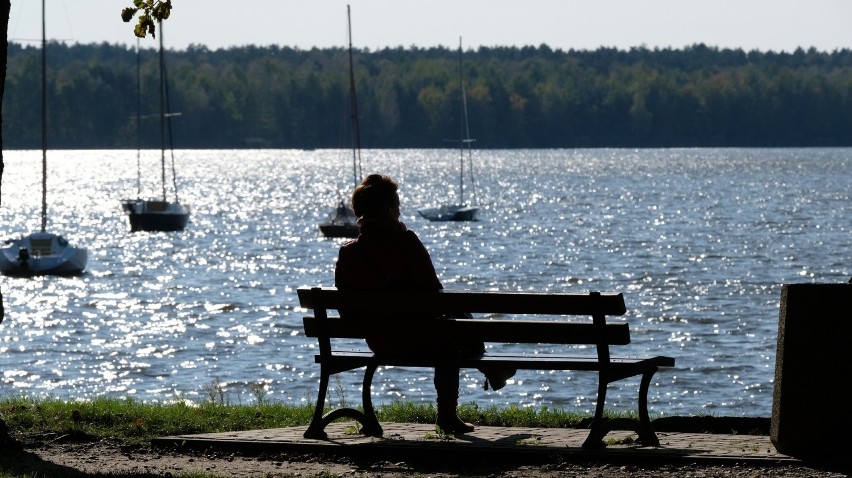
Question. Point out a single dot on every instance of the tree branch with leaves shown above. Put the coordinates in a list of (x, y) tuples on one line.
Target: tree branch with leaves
[(150, 13)]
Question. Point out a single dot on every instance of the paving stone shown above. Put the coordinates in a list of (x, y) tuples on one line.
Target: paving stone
[(408, 439)]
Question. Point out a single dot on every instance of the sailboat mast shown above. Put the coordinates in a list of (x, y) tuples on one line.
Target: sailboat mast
[(466, 140), (356, 128), (162, 114), (43, 121), (462, 126), (168, 115), (138, 119)]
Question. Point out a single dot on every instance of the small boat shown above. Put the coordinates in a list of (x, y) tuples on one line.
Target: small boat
[(342, 222), (153, 215), (42, 253), (460, 211), (450, 212)]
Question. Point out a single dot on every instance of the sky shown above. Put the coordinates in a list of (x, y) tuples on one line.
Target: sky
[(776, 25)]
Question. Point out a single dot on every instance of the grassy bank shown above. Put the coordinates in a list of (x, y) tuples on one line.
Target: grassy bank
[(135, 422), (117, 424)]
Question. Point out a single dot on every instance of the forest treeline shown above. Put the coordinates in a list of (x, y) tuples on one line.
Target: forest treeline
[(530, 97)]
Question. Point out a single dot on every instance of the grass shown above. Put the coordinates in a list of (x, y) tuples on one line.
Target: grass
[(135, 422)]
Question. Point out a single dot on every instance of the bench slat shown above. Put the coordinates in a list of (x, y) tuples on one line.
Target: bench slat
[(449, 301), (512, 331), (359, 358)]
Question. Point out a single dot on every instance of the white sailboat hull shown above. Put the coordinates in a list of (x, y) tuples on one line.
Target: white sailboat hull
[(42, 253)]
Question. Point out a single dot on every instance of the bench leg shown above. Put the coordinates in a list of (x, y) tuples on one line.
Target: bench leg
[(598, 428), (646, 433), (643, 428), (317, 429), (370, 423)]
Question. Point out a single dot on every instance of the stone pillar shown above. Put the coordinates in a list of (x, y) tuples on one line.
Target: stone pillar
[(811, 406)]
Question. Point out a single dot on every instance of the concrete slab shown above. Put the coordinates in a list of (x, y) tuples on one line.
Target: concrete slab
[(518, 444)]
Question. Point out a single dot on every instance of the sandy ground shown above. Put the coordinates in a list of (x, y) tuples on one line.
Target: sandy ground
[(70, 459)]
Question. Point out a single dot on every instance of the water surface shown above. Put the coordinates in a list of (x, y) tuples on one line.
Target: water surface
[(699, 241)]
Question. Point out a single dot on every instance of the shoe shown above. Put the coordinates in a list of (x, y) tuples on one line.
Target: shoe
[(497, 378), (454, 426)]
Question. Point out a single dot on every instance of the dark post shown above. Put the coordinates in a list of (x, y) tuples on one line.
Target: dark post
[(810, 406)]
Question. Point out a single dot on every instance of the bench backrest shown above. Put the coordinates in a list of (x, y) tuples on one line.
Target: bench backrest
[(416, 305)]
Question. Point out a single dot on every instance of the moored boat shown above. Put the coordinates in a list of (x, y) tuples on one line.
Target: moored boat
[(342, 221), (460, 211), (158, 215), (155, 215), (42, 253)]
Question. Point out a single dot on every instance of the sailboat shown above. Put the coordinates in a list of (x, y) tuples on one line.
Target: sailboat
[(158, 214), (460, 211), (342, 222), (42, 253)]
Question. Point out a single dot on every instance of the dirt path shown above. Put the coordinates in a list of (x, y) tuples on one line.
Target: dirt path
[(90, 458)]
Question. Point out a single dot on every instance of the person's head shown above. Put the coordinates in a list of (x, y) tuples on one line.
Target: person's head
[(376, 198)]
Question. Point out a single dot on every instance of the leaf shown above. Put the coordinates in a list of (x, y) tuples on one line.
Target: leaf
[(127, 14), (162, 10), (151, 10)]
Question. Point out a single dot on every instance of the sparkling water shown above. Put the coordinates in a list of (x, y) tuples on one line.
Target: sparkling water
[(700, 242)]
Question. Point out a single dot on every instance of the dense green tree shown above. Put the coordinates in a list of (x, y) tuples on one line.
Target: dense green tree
[(530, 97)]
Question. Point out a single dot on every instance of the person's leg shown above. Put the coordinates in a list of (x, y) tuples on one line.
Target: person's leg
[(496, 377), (447, 388)]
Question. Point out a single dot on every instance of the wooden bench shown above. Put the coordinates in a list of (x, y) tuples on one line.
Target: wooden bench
[(597, 332)]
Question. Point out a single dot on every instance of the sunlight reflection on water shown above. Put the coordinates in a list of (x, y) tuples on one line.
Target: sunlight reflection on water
[(699, 240)]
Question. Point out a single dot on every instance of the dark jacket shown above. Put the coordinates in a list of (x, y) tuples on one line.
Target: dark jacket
[(386, 256)]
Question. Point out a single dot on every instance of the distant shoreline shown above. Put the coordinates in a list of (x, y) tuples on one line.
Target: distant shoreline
[(517, 98)]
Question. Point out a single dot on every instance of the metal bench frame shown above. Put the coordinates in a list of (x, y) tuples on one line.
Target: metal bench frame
[(392, 308)]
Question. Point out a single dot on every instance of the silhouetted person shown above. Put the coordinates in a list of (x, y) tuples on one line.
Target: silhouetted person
[(388, 256)]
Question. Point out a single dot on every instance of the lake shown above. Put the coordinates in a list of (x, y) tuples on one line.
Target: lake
[(700, 242)]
